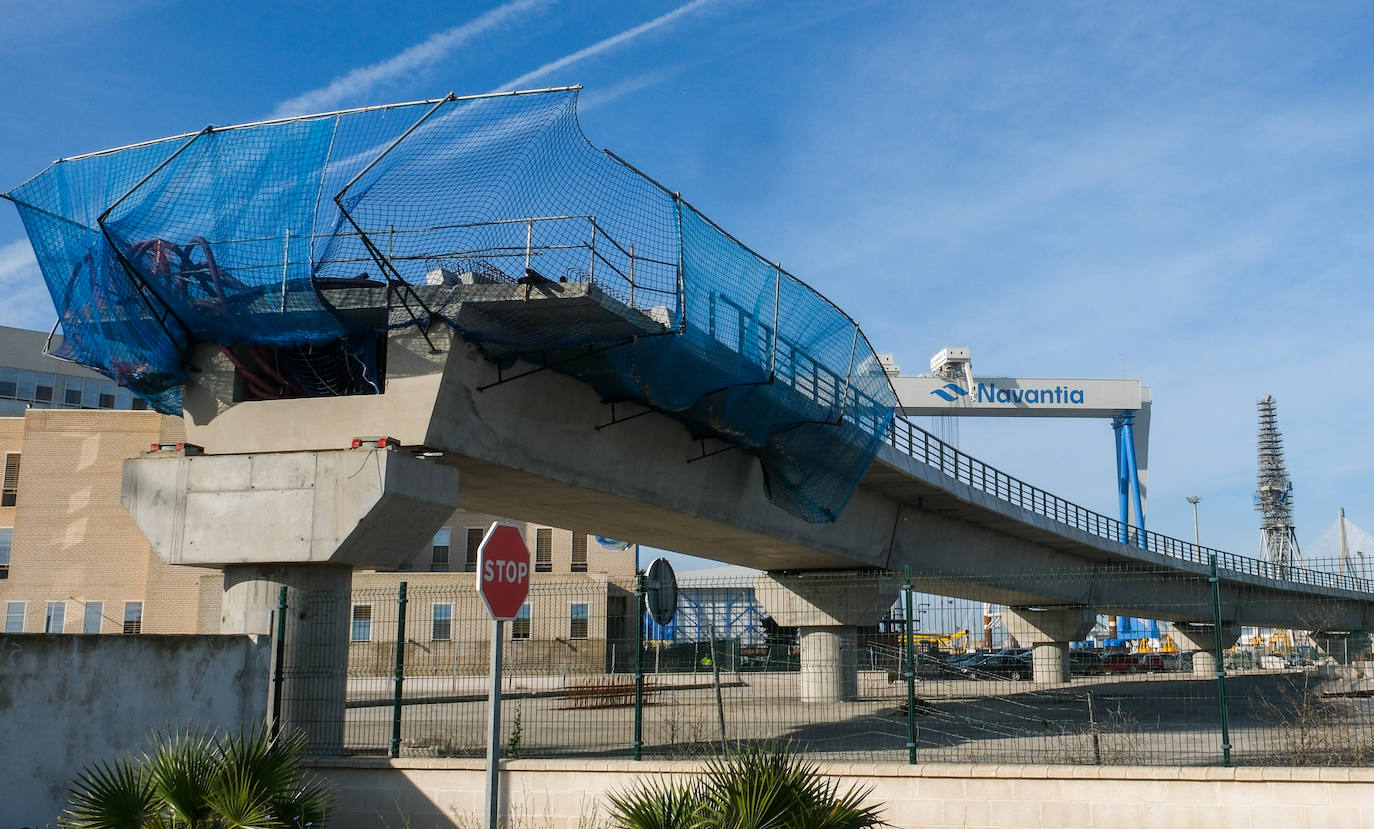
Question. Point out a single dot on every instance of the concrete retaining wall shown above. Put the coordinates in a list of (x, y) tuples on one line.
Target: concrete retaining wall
[(549, 794), (68, 700)]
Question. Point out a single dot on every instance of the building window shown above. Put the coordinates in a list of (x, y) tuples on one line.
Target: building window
[(72, 397), (362, 623), (578, 628), (14, 616), (543, 551), (439, 558), (6, 543), (9, 382), (9, 488), (475, 536), (140, 404), (579, 553), (133, 617), (107, 395), (442, 627), (520, 625), (93, 618), (56, 619), (43, 393)]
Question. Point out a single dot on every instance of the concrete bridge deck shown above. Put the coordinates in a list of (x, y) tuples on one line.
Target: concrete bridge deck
[(544, 447)]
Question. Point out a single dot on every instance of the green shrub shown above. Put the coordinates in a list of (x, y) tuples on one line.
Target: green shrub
[(202, 781), (751, 788)]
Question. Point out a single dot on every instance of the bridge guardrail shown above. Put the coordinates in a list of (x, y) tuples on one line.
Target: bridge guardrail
[(907, 437)]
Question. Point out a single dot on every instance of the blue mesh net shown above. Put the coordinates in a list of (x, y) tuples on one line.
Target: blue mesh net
[(110, 321), (291, 244)]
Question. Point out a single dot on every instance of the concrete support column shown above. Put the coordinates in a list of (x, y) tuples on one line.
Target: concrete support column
[(1205, 665), (829, 663), (828, 609), (1050, 662), (1201, 638), (1048, 632), (315, 647)]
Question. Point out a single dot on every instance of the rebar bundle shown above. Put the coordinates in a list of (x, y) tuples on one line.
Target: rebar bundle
[(1274, 496)]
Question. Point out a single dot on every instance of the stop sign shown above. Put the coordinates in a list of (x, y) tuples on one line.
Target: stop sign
[(503, 571)]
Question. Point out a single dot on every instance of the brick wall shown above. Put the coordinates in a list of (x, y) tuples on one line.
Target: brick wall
[(73, 541)]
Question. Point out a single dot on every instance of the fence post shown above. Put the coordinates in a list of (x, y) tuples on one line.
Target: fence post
[(279, 661), (910, 673), (1221, 662), (639, 666), (400, 671), (591, 266)]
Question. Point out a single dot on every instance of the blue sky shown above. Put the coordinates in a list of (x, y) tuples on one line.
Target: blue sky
[(1172, 191)]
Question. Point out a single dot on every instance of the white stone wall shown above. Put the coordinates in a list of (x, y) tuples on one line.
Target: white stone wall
[(67, 701), (570, 794)]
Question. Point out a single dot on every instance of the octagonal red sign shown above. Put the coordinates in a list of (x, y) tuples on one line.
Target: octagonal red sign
[(503, 571)]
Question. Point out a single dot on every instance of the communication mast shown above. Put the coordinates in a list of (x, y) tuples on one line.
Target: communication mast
[(1274, 497)]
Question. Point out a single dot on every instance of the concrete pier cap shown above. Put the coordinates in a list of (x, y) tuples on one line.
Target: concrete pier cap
[(1048, 631), (1201, 637), (827, 608), (362, 507)]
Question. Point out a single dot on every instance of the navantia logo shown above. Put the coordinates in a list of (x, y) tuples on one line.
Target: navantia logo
[(950, 392), (990, 393)]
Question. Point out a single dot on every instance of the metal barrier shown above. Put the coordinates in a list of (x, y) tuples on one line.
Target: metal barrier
[(927, 678), (912, 440)]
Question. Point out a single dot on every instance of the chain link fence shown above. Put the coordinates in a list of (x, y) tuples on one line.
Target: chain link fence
[(1102, 665)]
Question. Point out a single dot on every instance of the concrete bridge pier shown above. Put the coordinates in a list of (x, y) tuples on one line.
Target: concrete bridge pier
[(299, 520), (315, 648), (1200, 637), (1048, 631), (827, 608)]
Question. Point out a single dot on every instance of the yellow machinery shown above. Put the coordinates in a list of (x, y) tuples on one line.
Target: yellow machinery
[(953, 642)]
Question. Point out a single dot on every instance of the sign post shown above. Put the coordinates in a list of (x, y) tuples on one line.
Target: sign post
[(503, 581)]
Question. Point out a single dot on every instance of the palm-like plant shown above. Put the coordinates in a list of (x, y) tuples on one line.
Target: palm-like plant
[(764, 787), (203, 780)]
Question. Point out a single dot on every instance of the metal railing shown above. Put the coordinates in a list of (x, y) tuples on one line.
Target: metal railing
[(912, 440)]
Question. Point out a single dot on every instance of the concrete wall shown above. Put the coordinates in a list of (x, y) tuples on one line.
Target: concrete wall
[(66, 701), (563, 794)]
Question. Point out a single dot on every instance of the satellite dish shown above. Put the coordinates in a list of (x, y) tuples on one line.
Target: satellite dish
[(612, 543), (660, 591)]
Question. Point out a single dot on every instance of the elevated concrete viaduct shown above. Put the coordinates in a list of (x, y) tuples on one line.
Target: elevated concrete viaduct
[(544, 447)]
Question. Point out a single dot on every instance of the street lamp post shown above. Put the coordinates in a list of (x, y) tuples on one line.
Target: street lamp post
[(1193, 499)]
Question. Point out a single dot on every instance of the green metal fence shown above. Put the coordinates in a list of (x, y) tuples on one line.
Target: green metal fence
[(945, 667)]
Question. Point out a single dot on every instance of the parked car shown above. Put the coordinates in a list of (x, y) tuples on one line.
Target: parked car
[(1132, 663), (1178, 661), (1085, 663), (1150, 662), (998, 666)]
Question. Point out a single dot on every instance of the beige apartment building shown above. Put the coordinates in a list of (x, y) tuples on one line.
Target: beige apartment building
[(73, 561)]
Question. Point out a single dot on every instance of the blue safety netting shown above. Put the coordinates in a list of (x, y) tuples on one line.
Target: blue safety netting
[(291, 244)]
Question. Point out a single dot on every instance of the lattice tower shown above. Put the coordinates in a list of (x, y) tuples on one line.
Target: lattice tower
[(1274, 497)]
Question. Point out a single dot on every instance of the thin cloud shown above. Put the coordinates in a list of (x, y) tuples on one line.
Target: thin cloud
[(595, 100), (27, 304), (420, 56), (607, 44), (17, 262)]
